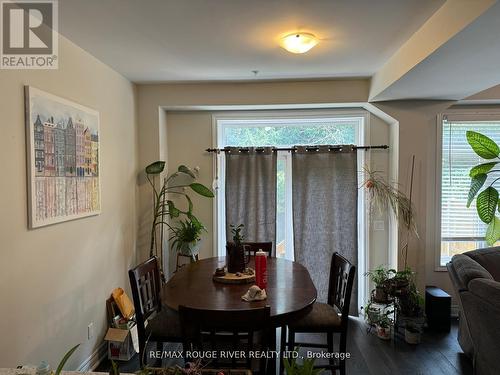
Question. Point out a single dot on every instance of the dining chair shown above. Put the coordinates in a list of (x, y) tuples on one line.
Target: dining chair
[(154, 323), (253, 247), (331, 317), (229, 331)]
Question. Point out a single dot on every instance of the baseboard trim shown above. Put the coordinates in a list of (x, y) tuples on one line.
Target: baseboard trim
[(91, 363)]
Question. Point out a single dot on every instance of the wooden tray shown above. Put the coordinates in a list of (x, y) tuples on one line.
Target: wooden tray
[(231, 278)]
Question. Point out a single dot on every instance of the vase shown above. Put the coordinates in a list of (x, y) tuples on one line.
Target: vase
[(235, 257), (383, 333), (412, 337)]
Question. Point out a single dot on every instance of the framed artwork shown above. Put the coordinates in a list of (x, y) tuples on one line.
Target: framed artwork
[(63, 154)]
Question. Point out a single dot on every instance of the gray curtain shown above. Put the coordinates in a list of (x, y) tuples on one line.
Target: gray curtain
[(325, 212), (251, 193)]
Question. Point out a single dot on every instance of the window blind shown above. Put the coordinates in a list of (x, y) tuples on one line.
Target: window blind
[(459, 223)]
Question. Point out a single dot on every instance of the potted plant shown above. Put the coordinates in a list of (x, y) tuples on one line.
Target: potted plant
[(487, 202), (412, 333), (383, 326), (186, 237), (380, 276), (235, 250), (164, 208)]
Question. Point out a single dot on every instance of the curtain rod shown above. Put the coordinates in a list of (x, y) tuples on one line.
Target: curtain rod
[(382, 147)]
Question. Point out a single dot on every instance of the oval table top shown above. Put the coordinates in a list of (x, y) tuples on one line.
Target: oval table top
[(290, 289)]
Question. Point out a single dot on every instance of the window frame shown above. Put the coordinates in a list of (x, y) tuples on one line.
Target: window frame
[(459, 115), (362, 135)]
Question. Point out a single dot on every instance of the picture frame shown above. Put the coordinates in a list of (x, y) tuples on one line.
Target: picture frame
[(63, 159)]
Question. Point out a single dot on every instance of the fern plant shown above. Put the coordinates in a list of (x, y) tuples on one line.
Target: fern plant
[(487, 202)]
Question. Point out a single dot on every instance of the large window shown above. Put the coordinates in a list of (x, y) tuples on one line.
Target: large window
[(461, 228), (282, 131)]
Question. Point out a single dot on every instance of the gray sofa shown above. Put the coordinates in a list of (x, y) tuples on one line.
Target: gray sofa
[(476, 279)]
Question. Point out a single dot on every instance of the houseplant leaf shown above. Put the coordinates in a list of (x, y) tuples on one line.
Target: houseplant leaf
[(486, 204), (482, 145), (201, 189), (156, 167), (186, 170), (172, 210), (476, 184), (65, 359), (482, 168), (493, 231)]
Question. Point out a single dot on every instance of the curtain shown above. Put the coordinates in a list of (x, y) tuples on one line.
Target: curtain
[(325, 213), (251, 193)]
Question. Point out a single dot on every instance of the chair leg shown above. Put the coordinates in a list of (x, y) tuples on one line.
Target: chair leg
[(291, 340), (329, 340), (282, 347), (159, 348), (342, 350)]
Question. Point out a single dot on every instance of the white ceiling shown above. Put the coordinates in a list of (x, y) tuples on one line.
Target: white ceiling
[(208, 40)]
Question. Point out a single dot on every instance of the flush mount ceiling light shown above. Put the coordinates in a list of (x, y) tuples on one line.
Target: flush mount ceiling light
[(299, 42)]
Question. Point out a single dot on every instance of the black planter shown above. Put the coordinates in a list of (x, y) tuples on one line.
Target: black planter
[(235, 257)]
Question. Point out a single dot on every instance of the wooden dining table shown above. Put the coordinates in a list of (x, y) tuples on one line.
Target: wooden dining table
[(290, 290)]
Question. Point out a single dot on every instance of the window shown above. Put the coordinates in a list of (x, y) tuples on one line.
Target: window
[(283, 131), (461, 228)]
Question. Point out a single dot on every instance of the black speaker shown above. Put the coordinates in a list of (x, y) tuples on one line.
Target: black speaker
[(437, 309)]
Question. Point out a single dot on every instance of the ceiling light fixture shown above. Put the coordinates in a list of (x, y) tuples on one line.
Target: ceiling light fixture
[(299, 42)]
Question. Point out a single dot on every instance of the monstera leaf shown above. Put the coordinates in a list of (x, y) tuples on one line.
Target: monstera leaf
[(486, 204), (482, 145)]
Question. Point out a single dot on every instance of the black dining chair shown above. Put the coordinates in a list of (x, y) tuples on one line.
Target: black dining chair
[(154, 323), (229, 331), (253, 247), (331, 317)]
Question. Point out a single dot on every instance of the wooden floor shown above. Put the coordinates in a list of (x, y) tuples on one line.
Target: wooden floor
[(439, 353)]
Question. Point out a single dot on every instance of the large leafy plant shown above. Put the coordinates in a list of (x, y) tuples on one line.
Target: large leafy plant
[(306, 368), (164, 208), (487, 203)]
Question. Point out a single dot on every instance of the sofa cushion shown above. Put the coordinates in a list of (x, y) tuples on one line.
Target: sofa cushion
[(467, 269), (488, 258), (489, 290)]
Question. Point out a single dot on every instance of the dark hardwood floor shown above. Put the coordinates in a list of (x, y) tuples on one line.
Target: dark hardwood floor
[(437, 354)]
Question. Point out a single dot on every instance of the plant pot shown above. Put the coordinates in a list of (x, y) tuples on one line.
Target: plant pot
[(380, 294), (412, 337), (190, 249), (383, 333), (235, 257)]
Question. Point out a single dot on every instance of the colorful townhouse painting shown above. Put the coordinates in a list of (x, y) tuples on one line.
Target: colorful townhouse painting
[(63, 153)]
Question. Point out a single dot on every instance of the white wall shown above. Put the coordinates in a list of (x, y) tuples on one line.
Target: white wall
[(54, 280)]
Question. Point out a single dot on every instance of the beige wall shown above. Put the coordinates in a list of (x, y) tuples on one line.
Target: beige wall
[(54, 280)]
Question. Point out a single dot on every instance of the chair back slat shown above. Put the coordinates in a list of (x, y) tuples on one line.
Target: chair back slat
[(342, 274), (146, 288)]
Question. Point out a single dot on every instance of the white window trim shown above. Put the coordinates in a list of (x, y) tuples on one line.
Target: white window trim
[(362, 135), (464, 115)]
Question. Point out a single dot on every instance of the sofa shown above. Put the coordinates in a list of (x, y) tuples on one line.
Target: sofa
[(476, 279)]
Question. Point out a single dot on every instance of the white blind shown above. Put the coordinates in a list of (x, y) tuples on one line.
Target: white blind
[(457, 221)]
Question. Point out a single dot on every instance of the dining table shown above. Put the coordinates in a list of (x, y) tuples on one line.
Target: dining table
[(290, 290)]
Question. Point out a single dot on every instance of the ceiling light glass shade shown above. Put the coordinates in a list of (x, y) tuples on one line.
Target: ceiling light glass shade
[(299, 42)]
